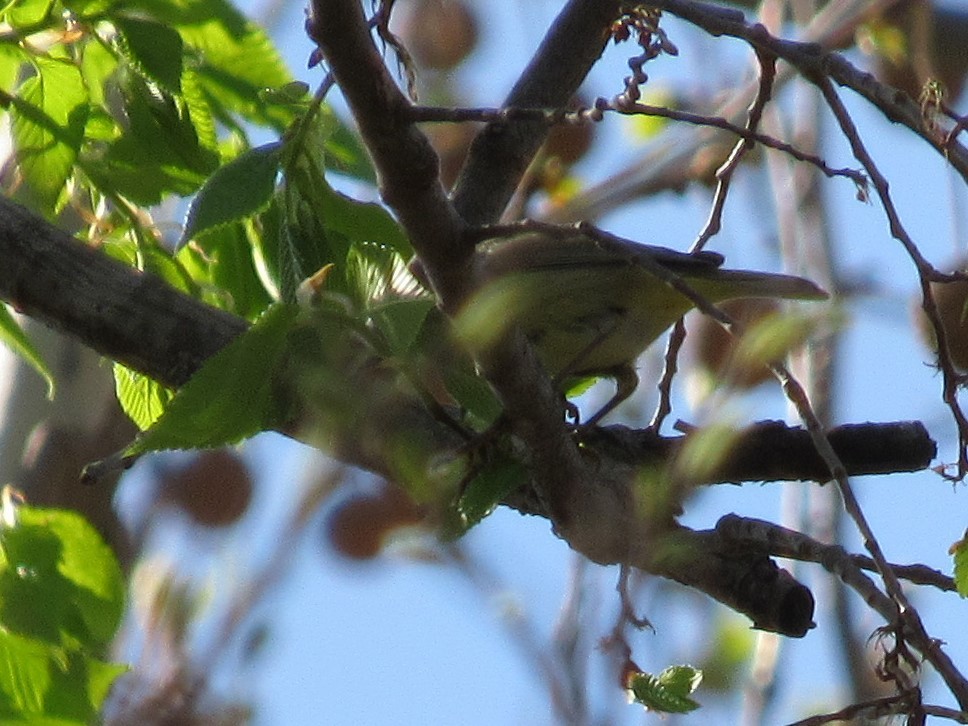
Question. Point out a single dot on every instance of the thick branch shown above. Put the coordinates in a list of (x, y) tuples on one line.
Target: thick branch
[(502, 152), (407, 167), (128, 316), (773, 451)]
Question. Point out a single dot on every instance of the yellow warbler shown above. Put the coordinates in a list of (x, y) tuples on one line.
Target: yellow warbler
[(591, 305)]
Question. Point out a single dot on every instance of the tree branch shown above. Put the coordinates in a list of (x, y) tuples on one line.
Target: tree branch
[(813, 62), (502, 151), (406, 164), (132, 317)]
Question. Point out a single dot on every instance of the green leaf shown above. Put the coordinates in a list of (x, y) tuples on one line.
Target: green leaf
[(239, 189), (24, 673), (306, 245), (222, 263), (143, 399), (706, 448), (644, 127), (486, 490), (98, 63), (48, 118), (27, 13), (473, 393), (200, 112), (669, 691), (45, 686), (377, 275), (61, 601), (12, 59), (96, 583), (320, 226), (959, 550), (362, 221), (347, 154), (445, 358), (234, 57), (161, 151), (153, 49), (14, 337), (231, 397), (401, 321), (56, 558), (727, 654)]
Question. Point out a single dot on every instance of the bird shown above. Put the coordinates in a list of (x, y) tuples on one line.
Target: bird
[(591, 304)]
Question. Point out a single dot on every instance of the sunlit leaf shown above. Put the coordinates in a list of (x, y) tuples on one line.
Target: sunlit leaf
[(97, 585), (142, 398), (27, 13), (669, 691), (231, 397), (48, 119), (234, 57), (161, 151)]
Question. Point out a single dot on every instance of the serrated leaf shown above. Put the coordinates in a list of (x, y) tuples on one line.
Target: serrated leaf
[(152, 48), (143, 399), (48, 118), (234, 57), (668, 692), (237, 190), (231, 397), (681, 679), (13, 336), (160, 152), (377, 274), (200, 112)]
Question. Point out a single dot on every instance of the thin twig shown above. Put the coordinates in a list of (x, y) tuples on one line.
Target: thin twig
[(724, 175), (510, 114)]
